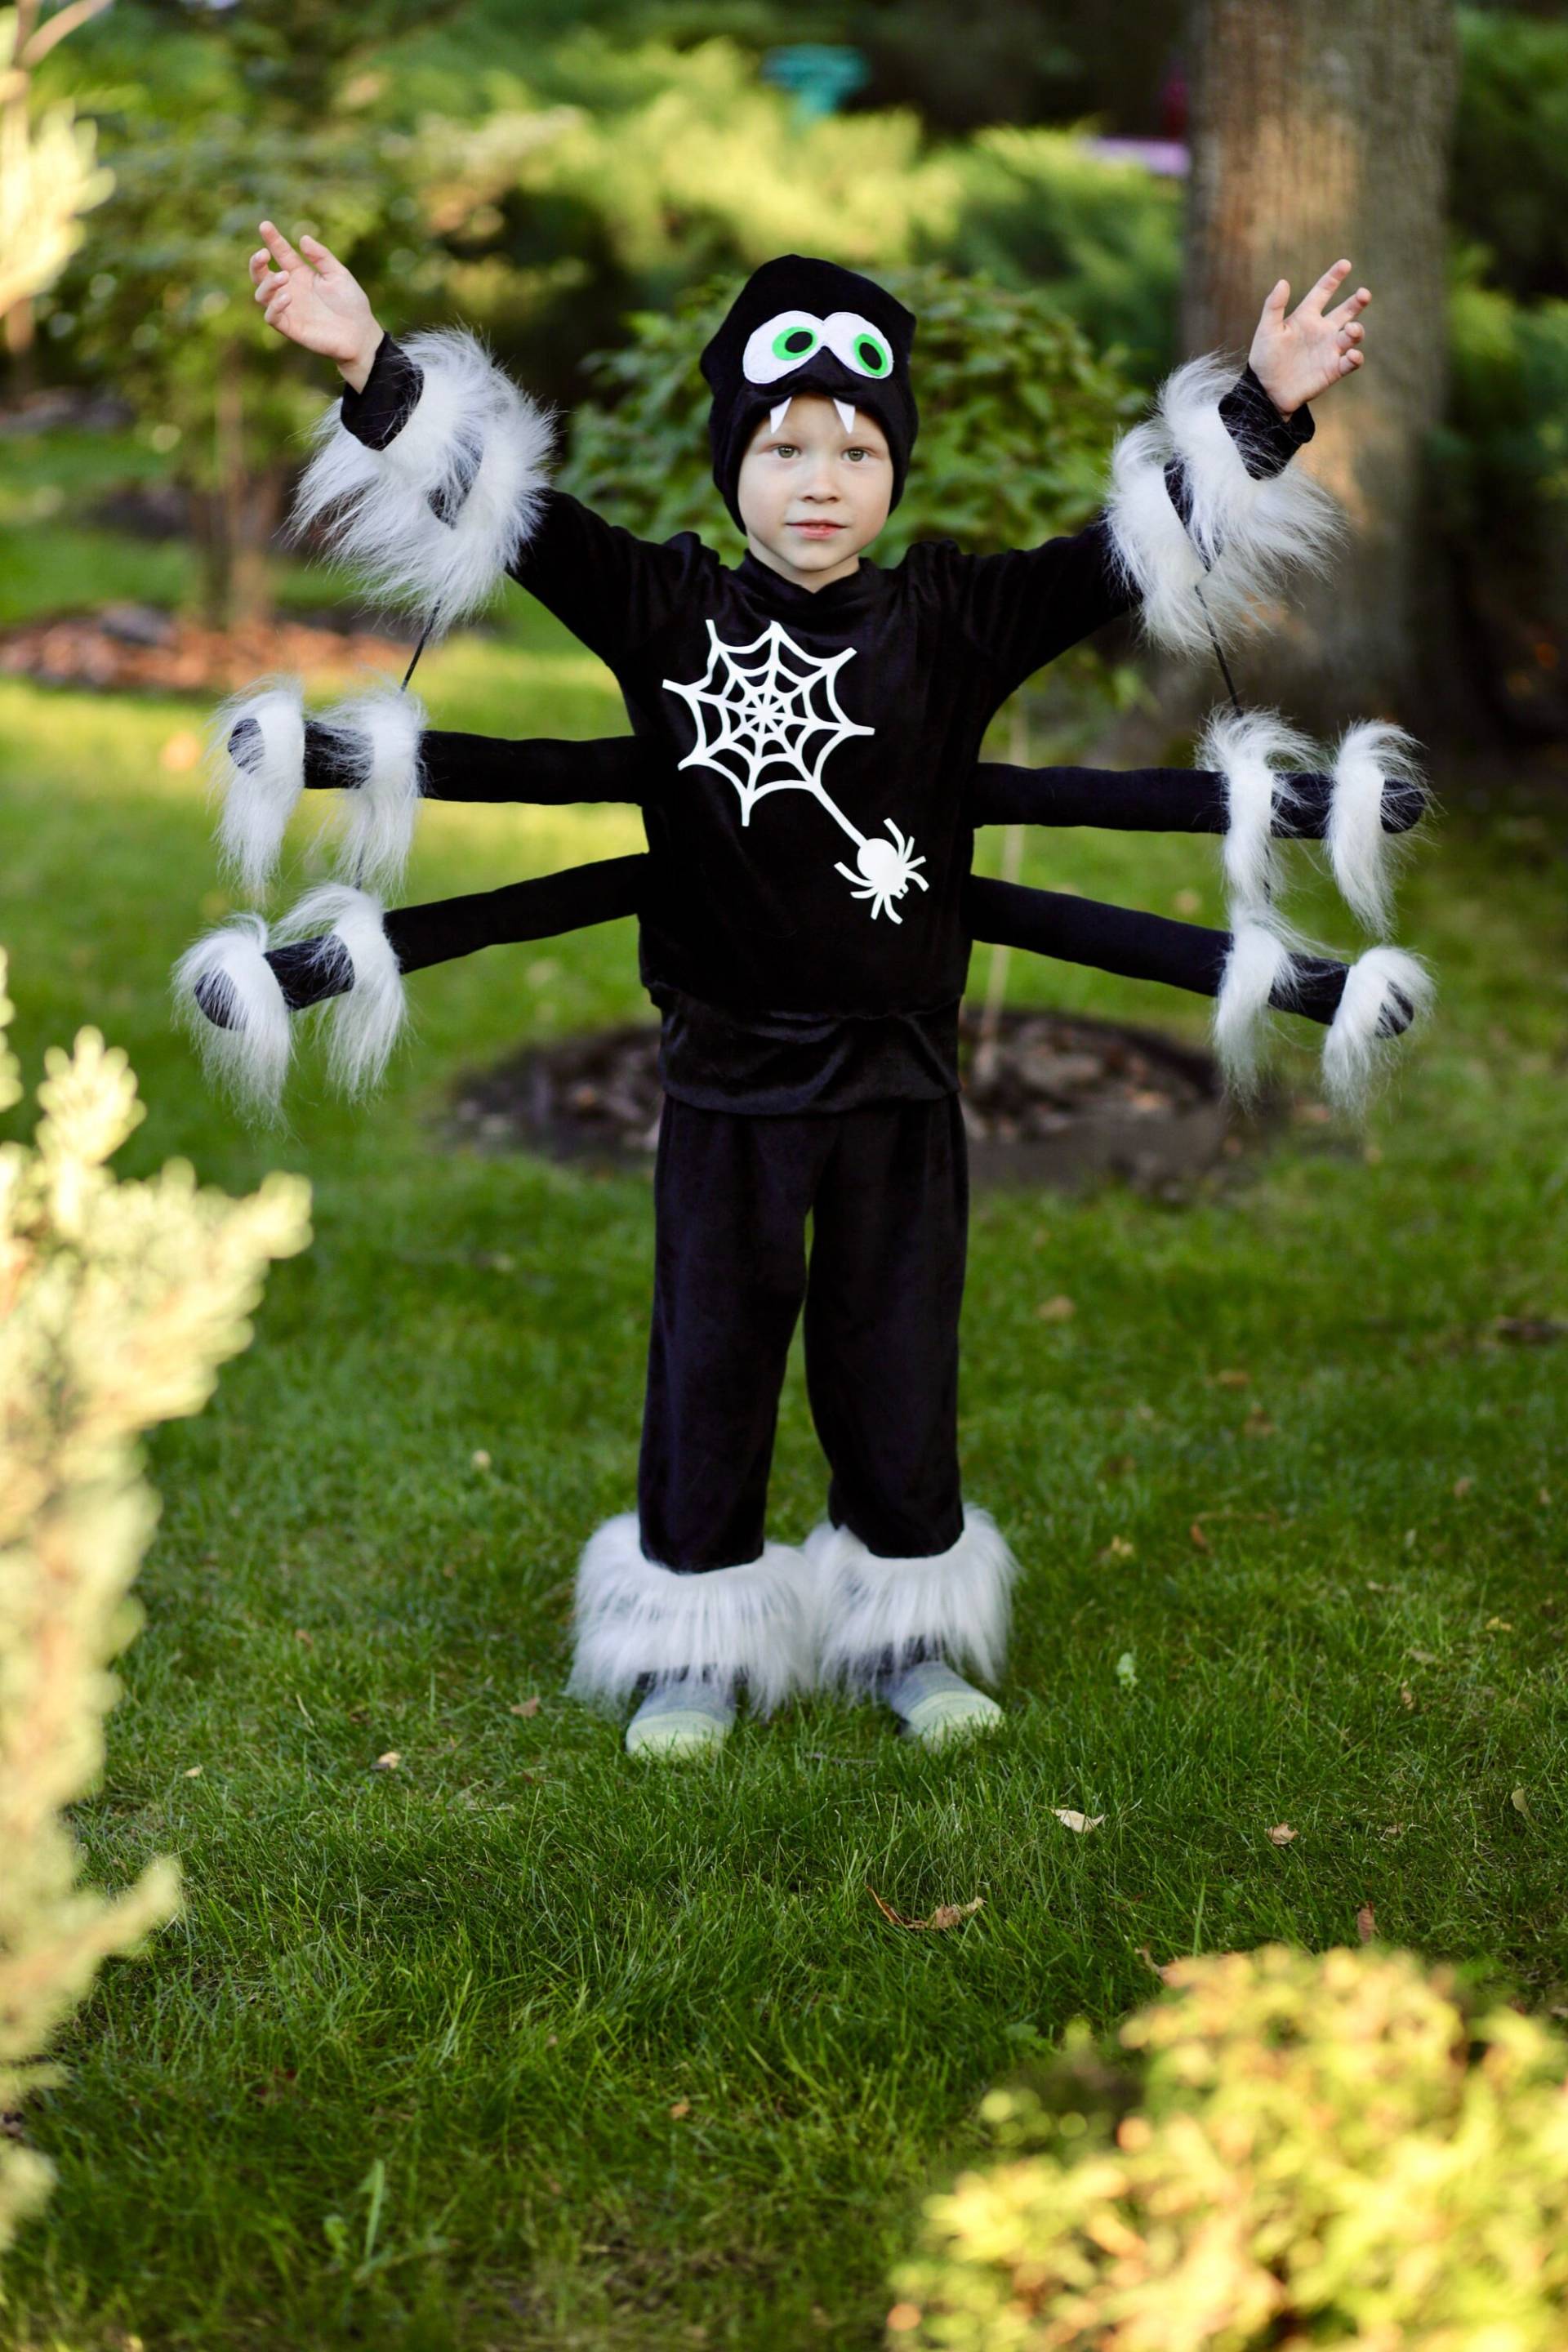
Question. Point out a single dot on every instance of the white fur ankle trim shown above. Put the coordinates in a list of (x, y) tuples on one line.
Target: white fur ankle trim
[(260, 789), (1365, 859), (375, 739), (363, 1024), (959, 1601), (1353, 1051), (1244, 535), (636, 1617), (250, 1061), (1258, 963), (1252, 754), (469, 423)]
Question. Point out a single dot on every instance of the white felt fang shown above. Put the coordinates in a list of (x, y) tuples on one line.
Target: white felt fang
[(634, 1616), (375, 739), (1258, 963), (260, 786), (1243, 536), (777, 415), (250, 1059), (1253, 754), (475, 443), (363, 1024), (847, 415), (1364, 857), (1355, 1050), (958, 1600)]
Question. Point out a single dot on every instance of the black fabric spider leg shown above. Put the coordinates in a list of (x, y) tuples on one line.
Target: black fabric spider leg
[(310, 971), (1139, 946), (1161, 800), (543, 771)]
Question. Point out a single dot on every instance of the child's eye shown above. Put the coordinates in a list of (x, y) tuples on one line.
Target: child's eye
[(785, 449), (857, 453)]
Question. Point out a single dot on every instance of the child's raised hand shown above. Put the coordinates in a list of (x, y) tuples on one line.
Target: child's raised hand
[(1297, 357), (310, 298)]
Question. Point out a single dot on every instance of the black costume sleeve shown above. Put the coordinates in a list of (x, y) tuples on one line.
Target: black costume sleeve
[(611, 589), (1022, 608)]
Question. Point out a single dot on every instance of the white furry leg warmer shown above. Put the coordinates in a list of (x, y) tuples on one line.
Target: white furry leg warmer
[(255, 761), (958, 1601), (364, 1023), (1386, 992), (374, 738), (249, 1057), (750, 1623)]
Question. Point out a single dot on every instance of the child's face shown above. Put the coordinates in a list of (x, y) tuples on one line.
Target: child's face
[(816, 492)]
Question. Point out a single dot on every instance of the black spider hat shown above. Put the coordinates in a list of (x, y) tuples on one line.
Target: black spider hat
[(799, 325)]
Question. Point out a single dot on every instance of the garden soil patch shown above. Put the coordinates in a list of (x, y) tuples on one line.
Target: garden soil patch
[(1065, 1097)]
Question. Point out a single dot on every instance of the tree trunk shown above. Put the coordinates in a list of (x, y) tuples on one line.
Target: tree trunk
[(1320, 131)]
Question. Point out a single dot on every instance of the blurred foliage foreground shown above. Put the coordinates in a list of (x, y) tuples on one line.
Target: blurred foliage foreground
[(117, 1301), (1325, 2149)]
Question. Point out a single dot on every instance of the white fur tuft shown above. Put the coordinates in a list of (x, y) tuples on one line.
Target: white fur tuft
[(249, 1060), (260, 789), (958, 1600), (1252, 754), (1353, 1051), (636, 1617), (366, 1022), (1243, 537), (375, 739), (1364, 856), (1258, 963), (373, 505)]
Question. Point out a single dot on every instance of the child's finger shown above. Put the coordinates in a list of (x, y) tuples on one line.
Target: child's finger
[(319, 254), (1329, 283), (1277, 298), (266, 287), (260, 265), (278, 246), (1352, 304)]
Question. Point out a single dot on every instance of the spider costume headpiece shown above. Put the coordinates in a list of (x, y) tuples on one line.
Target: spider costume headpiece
[(800, 325)]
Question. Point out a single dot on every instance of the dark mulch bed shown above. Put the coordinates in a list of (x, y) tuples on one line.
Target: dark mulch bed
[(1064, 1098), (140, 648)]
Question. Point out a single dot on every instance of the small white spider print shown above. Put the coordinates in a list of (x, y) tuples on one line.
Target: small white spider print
[(886, 871)]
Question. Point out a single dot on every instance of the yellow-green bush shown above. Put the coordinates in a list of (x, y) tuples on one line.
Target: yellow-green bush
[(117, 1301), (1322, 2150)]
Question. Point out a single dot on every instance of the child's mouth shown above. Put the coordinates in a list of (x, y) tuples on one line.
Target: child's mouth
[(816, 530)]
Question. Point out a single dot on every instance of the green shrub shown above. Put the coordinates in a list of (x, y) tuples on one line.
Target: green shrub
[(1322, 2149)]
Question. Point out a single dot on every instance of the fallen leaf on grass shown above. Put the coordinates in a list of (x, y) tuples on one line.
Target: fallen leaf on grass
[(1057, 1310), (1127, 1670), (1499, 1625), (1200, 1540), (307, 1641), (1163, 1973), (1424, 1657), (1119, 1549), (1406, 1695), (1071, 1819), (1258, 1424), (1520, 1803), (193, 1771), (481, 1457), (1282, 1833), (1233, 1380), (1463, 1486), (946, 1915), (681, 2107), (525, 1706), (1366, 1923), (387, 1763)]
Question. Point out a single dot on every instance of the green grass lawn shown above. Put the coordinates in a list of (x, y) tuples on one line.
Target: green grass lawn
[(517, 2045)]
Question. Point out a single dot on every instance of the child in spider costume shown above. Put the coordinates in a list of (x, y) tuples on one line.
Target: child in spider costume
[(804, 704)]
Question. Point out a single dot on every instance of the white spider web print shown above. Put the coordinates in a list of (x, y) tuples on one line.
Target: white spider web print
[(759, 725)]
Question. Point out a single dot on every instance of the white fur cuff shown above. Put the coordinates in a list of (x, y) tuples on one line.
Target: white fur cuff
[(1356, 1046), (635, 1617), (1252, 754), (1258, 963), (363, 1024), (957, 1600), (1364, 857), (375, 739), (1243, 535), (475, 443), (261, 783), (248, 1059)]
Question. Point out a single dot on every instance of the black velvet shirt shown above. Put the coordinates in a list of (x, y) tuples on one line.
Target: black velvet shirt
[(807, 806)]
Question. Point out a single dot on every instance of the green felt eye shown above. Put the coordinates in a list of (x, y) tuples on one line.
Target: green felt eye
[(795, 343), (873, 354), (859, 345)]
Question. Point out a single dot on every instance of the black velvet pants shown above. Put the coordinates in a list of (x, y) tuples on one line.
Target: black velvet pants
[(886, 1190)]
